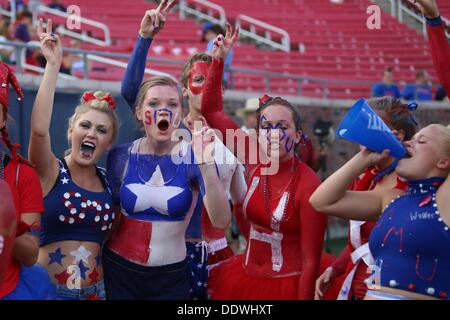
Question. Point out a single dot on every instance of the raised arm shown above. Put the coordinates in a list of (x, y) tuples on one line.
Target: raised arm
[(312, 231), (152, 23), (214, 197), (440, 49), (332, 196), (40, 152), (212, 102)]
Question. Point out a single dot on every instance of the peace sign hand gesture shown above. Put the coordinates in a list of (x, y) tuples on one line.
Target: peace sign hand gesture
[(51, 46), (223, 45), (155, 19)]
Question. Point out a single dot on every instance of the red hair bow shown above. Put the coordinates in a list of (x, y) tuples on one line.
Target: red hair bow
[(265, 100), (89, 96)]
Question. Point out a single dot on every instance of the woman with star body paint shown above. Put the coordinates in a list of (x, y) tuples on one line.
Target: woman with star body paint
[(285, 234), (355, 259), (152, 263), (21, 203), (77, 199), (158, 182), (206, 245)]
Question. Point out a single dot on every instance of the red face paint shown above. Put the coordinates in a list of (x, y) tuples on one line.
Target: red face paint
[(198, 69), (148, 118)]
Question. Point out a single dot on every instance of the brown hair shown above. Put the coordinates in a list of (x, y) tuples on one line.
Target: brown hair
[(396, 113), (281, 102), (188, 65), (7, 140)]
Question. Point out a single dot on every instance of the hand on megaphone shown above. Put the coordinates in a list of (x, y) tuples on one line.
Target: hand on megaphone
[(371, 158)]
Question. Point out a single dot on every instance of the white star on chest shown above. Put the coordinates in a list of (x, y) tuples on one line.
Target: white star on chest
[(153, 194), (63, 170), (81, 254), (65, 180)]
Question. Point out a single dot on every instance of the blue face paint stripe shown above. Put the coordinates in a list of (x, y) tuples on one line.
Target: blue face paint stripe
[(155, 113), (288, 149)]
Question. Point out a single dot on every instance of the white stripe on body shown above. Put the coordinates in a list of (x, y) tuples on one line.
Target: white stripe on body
[(168, 243)]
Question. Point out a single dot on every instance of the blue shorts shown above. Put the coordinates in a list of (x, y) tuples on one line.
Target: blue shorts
[(94, 292), (34, 284), (125, 280)]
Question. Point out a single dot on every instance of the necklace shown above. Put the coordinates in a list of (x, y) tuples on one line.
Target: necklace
[(289, 203)]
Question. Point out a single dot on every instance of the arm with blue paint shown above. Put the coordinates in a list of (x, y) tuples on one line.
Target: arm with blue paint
[(134, 75), (152, 23)]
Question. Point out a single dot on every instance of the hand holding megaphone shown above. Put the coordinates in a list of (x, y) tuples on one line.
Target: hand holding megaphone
[(370, 158)]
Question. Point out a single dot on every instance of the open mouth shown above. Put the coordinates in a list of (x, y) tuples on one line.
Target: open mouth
[(87, 149), (163, 125)]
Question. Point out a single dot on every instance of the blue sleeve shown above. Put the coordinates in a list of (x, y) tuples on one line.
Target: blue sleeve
[(377, 90), (396, 90), (135, 71), (435, 22), (408, 93), (22, 33), (115, 169)]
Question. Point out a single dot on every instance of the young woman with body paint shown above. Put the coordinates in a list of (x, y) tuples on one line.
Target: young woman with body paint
[(19, 255), (206, 244), (285, 233), (77, 199)]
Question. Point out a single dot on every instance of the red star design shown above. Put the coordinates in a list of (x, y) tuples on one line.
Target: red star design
[(62, 277), (94, 276)]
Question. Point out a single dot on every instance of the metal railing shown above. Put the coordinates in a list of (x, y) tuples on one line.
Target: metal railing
[(87, 55), (81, 36), (248, 26), (194, 8), (10, 13), (114, 59)]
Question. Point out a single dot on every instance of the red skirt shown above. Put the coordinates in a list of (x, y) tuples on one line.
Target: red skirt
[(229, 281)]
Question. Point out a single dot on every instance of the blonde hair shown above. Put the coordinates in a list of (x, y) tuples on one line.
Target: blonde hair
[(154, 82), (444, 138), (102, 103)]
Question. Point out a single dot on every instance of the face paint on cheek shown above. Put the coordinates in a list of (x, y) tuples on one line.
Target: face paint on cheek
[(198, 69), (288, 147), (148, 118)]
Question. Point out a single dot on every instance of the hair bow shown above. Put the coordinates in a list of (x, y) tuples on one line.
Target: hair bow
[(265, 100)]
